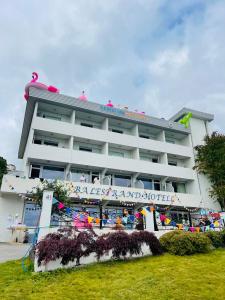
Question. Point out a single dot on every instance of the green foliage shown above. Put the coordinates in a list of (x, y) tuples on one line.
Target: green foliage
[(217, 238), (210, 160), (163, 277), (185, 243), (61, 192), (3, 168)]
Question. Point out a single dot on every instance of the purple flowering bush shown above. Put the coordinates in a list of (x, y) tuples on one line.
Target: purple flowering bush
[(70, 245)]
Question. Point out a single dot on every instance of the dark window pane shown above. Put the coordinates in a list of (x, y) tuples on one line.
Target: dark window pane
[(86, 125), (50, 143), (53, 172), (36, 141), (122, 181), (117, 131), (85, 149), (35, 173), (144, 136)]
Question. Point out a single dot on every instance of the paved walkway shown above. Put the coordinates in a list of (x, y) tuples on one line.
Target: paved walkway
[(11, 251)]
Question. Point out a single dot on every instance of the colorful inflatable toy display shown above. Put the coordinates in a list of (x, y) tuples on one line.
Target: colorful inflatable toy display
[(109, 103), (83, 97), (38, 85), (186, 120)]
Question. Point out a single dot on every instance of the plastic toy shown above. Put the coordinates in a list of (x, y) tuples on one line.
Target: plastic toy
[(83, 97), (186, 120), (38, 85)]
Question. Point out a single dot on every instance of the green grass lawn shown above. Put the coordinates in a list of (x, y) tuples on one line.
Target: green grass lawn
[(166, 277)]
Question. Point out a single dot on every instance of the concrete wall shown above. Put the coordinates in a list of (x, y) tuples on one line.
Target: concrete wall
[(10, 205)]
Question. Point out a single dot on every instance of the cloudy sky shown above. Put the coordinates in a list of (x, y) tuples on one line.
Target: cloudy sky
[(152, 55)]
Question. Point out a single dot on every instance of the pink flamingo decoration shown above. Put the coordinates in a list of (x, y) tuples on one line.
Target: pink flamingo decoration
[(109, 103), (83, 97), (38, 85)]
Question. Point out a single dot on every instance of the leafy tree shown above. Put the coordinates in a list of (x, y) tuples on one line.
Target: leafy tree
[(210, 161), (3, 168), (60, 191)]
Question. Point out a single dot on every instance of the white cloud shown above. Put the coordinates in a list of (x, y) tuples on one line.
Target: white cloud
[(169, 61)]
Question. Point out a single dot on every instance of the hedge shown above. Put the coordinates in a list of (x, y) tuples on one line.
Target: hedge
[(185, 243)]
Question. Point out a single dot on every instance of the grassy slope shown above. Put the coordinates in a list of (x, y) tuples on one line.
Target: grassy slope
[(167, 277)]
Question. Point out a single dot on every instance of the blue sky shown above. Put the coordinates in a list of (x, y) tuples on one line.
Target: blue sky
[(151, 55)]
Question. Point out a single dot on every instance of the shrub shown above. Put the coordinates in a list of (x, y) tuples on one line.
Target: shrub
[(222, 234), (69, 244), (216, 238), (185, 243)]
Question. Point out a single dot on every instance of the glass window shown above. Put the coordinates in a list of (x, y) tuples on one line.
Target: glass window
[(85, 149), (86, 125), (155, 160), (51, 143), (53, 172), (117, 131), (122, 180), (181, 188), (35, 171), (31, 214), (170, 141), (172, 163), (116, 153), (77, 176), (156, 185), (37, 141), (144, 136), (147, 183)]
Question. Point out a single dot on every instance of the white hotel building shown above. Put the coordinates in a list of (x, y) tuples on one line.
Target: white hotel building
[(142, 158)]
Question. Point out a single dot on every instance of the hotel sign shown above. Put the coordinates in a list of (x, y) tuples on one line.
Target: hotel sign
[(123, 113), (122, 194)]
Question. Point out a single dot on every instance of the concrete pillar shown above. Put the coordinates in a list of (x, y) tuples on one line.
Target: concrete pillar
[(73, 116), (149, 219), (105, 149), (46, 211), (134, 130), (161, 136), (105, 124)]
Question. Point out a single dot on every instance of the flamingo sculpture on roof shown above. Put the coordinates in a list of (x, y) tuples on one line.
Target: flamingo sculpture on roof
[(38, 85), (109, 103), (83, 97)]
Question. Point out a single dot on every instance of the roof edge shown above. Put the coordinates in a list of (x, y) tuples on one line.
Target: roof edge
[(195, 114)]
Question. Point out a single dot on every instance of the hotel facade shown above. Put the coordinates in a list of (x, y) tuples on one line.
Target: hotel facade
[(120, 157)]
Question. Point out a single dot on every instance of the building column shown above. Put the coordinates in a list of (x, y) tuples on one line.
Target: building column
[(161, 136), (73, 116), (105, 124)]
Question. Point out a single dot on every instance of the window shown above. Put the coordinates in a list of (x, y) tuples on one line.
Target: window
[(37, 141), (116, 153), (170, 141), (172, 163), (120, 180), (156, 185), (51, 143), (35, 171), (144, 136), (147, 183), (76, 175), (155, 160), (174, 184), (86, 125), (52, 117), (117, 131), (86, 149), (31, 214), (53, 172)]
